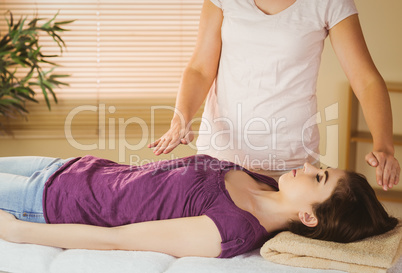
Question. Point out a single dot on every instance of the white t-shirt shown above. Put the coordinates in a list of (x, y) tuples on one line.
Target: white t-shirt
[(258, 113)]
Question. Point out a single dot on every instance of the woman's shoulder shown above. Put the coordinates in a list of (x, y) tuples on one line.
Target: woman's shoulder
[(240, 231)]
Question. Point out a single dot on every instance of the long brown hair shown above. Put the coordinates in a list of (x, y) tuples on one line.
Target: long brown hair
[(351, 213)]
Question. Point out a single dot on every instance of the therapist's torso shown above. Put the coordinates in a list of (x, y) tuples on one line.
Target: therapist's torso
[(261, 111)]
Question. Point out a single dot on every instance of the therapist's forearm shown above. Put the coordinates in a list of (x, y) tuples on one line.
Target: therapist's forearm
[(62, 235), (376, 106), (194, 88)]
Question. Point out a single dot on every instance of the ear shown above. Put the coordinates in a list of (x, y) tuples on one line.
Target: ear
[(308, 219)]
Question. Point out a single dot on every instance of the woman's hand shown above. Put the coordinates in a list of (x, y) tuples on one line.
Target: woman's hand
[(387, 168), (6, 221), (177, 134)]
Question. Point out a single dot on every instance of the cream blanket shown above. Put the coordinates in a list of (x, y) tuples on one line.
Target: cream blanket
[(374, 254)]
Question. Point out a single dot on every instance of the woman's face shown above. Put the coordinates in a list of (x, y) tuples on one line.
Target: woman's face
[(309, 185)]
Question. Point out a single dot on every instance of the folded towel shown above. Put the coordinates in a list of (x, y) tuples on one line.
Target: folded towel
[(374, 254)]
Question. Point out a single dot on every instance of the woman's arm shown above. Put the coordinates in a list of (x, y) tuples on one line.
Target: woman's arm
[(348, 42), (197, 79), (190, 236)]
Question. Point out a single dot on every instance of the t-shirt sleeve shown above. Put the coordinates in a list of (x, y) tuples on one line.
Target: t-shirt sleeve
[(217, 3), (237, 233), (338, 10)]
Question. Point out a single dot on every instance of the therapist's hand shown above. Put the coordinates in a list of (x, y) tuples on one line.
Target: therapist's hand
[(177, 134), (387, 168)]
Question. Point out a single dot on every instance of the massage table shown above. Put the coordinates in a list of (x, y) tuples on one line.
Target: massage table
[(29, 258)]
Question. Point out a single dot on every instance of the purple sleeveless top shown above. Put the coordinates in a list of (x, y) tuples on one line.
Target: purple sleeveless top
[(100, 192)]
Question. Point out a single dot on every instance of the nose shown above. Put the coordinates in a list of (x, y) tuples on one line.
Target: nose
[(307, 168)]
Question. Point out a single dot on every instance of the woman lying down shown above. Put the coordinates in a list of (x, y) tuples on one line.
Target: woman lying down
[(193, 206)]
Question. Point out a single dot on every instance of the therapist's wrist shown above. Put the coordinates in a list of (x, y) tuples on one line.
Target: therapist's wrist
[(386, 149), (383, 143), (180, 120)]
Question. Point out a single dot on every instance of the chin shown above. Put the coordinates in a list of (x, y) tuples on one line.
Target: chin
[(280, 180), (284, 178)]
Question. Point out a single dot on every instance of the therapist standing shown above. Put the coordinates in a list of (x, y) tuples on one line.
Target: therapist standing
[(262, 58)]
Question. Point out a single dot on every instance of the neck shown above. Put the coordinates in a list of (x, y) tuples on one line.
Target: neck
[(271, 210), (260, 199)]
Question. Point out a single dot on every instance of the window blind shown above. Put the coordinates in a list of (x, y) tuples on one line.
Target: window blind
[(125, 59)]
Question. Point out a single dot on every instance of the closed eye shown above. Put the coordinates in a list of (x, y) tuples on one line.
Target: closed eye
[(318, 177)]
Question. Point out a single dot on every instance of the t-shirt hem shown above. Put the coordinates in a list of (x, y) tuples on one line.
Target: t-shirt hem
[(220, 229), (217, 3), (341, 19), (47, 184)]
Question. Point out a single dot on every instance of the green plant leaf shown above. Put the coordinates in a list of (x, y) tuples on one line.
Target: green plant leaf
[(48, 56), (52, 79), (11, 19), (17, 26), (28, 76), (61, 75), (18, 60), (22, 22), (34, 21), (11, 22), (58, 83), (47, 24), (45, 61), (64, 22), (12, 106), (20, 48), (31, 91), (46, 96), (3, 53), (59, 41), (5, 40), (9, 101), (57, 28), (25, 94)]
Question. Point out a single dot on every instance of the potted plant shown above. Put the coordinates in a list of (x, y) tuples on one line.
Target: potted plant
[(22, 64)]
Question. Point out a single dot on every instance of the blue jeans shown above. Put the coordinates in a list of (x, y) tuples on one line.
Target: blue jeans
[(22, 181)]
